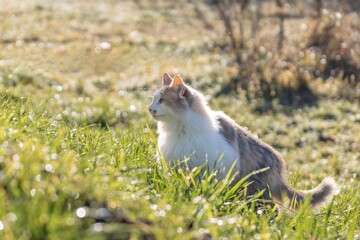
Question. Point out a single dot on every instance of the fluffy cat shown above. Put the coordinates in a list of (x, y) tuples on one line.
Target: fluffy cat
[(189, 129)]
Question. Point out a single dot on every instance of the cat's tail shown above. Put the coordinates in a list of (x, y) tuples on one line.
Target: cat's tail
[(319, 195)]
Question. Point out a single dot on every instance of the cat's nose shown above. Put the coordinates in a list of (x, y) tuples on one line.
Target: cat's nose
[(152, 111)]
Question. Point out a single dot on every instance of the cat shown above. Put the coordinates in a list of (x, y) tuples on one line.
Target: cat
[(189, 129)]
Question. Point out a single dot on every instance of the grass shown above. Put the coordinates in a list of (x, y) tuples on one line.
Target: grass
[(77, 149), (63, 178)]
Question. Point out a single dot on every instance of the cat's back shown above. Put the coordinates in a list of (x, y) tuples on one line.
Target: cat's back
[(252, 150), (232, 131)]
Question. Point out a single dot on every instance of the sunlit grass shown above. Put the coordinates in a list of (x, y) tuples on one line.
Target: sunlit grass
[(63, 178)]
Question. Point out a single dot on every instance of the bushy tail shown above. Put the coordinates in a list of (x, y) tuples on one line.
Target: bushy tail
[(320, 195)]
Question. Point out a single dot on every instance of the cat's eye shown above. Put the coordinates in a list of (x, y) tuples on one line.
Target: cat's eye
[(161, 100)]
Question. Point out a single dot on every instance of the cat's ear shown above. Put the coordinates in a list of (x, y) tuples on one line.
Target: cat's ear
[(179, 85), (166, 80)]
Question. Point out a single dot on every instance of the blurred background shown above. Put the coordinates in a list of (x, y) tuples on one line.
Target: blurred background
[(291, 52)]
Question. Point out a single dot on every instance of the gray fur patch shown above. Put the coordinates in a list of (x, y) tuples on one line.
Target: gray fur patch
[(256, 155)]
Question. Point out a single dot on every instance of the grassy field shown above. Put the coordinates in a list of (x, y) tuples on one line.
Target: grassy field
[(77, 148)]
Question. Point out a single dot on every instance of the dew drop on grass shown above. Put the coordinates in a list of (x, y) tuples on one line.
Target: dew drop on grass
[(54, 156), (54, 197), (17, 165), (312, 55), (59, 88), (46, 149), (15, 157), (11, 217), (303, 26), (48, 167), (135, 37), (98, 227), (197, 199), (58, 117), (81, 212), (77, 196), (213, 220), (19, 43), (6, 144), (134, 197), (132, 108), (231, 220), (160, 213), (38, 178), (74, 114), (73, 169), (122, 93), (105, 45), (54, 124)]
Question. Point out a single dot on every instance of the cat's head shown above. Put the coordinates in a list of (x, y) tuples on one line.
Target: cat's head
[(172, 99)]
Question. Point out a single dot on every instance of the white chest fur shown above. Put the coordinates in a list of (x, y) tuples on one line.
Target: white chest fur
[(199, 141)]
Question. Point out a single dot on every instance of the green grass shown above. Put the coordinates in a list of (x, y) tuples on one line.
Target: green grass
[(77, 148), (66, 179)]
